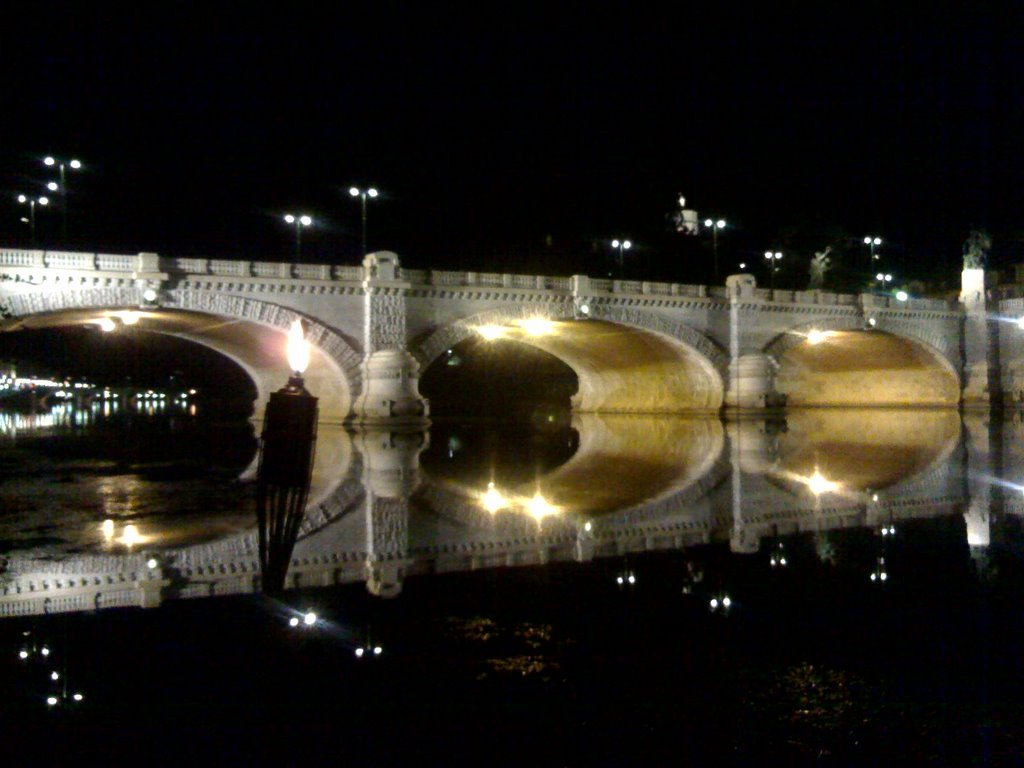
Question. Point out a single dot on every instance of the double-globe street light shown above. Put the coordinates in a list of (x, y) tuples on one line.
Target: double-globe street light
[(883, 278), (621, 246), (773, 258), (61, 187), (362, 194), (31, 220), (299, 222), (715, 226), (872, 241)]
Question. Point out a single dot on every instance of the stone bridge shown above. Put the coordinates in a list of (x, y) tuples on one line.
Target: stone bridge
[(635, 346)]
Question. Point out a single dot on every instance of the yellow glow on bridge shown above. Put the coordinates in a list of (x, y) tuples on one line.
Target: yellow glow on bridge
[(537, 326), (490, 332)]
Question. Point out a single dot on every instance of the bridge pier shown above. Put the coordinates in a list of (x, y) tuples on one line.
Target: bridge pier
[(390, 374), (390, 475), (752, 382), (980, 344)]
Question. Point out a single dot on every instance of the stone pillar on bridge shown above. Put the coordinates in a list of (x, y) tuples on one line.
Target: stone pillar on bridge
[(751, 372), (390, 374), (391, 462), (981, 343), (751, 381)]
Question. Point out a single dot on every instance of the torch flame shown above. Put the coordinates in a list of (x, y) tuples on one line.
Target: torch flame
[(298, 348)]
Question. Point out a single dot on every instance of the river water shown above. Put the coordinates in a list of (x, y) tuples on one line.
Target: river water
[(818, 587)]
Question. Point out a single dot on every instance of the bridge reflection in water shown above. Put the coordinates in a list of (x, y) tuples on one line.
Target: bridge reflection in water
[(387, 506)]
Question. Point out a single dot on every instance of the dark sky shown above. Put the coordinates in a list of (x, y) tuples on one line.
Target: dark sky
[(513, 138)]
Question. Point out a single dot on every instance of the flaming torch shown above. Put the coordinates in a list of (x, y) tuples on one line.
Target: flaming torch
[(285, 466)]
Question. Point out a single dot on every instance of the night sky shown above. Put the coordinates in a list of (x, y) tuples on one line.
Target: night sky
[(508, 138)]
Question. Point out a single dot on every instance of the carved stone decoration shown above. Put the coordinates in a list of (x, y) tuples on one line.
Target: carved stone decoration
[(385, 319)]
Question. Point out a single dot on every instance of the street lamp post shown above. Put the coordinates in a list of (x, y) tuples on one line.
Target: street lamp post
[(31, 220), (715, 226), (871, 242), (883, 279), (285, 466), (75, 165), (773, 257), (299, 222), (362, 194), (621, 246)]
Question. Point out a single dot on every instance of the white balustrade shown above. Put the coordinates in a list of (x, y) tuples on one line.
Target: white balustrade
[(109, 262)]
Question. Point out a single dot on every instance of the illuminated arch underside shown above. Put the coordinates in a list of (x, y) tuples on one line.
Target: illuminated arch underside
[(850, 368), (626, 370), (258, 349)]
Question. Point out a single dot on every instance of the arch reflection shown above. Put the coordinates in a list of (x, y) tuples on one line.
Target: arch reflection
[(630, 484)]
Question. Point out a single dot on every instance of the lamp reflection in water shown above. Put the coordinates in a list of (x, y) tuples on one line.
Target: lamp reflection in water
[(536, 506), (285, 466), (539, 507), (493, 500)]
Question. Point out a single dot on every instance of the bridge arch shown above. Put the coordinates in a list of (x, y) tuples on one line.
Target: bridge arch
[(626, 362), (253, 337), (839, 362)]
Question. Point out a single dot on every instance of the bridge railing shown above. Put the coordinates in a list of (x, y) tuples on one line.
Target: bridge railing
[(123, 263), (106, 262)]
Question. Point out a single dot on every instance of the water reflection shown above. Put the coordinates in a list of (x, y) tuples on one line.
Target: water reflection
[(387, 506)]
